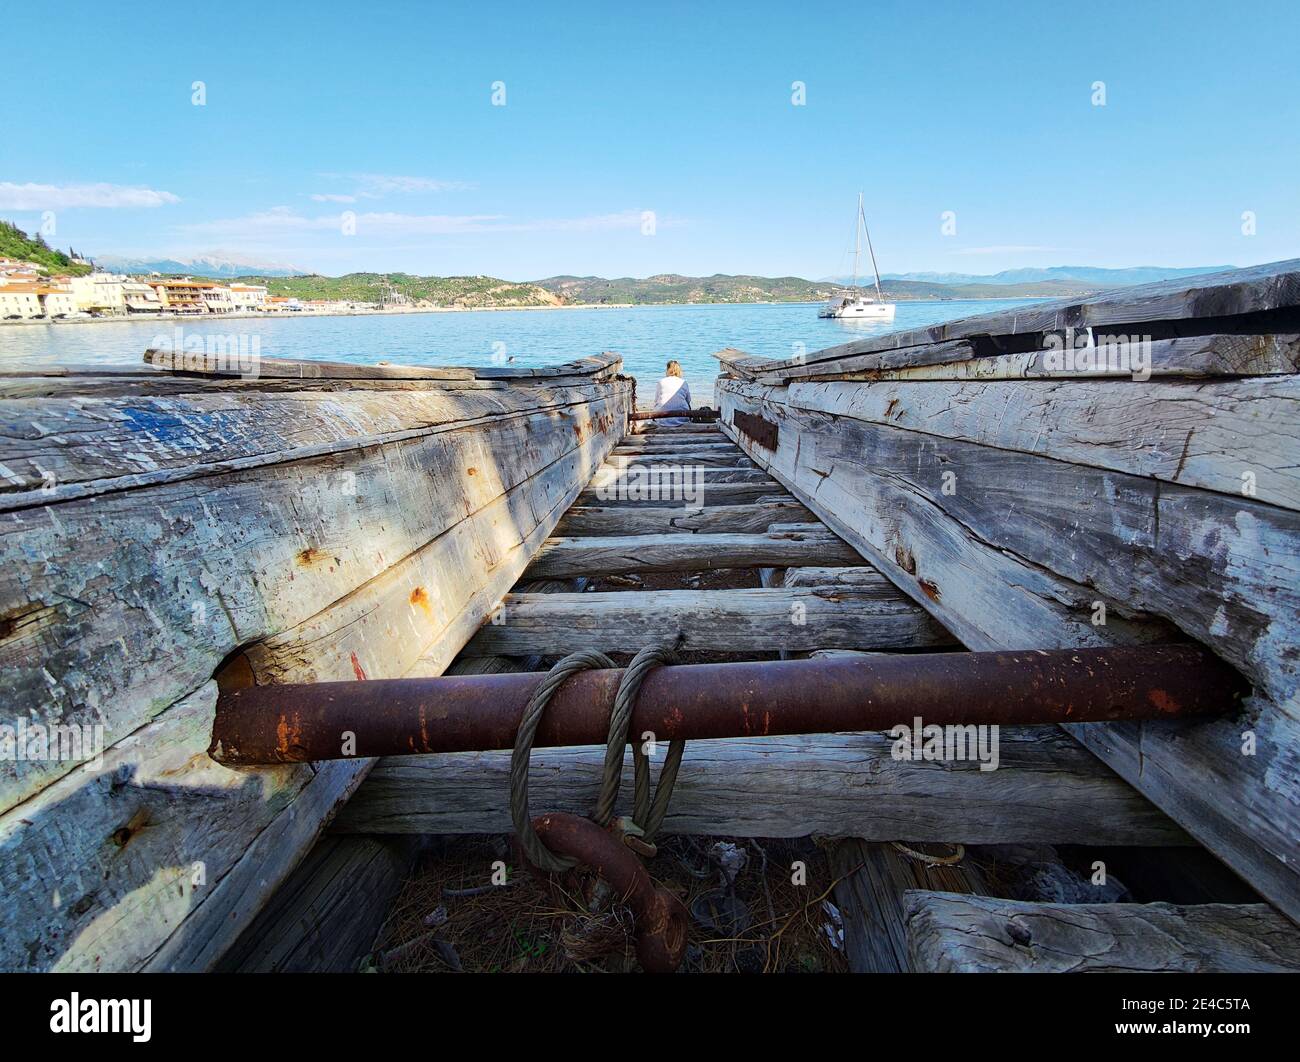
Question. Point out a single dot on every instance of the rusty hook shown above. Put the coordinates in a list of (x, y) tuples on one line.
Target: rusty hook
[(661, 919)]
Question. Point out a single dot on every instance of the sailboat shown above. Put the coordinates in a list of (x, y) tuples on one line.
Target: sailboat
[(852, 303)]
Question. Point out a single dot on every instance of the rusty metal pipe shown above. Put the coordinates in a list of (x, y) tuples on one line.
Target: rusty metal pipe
[(263, 725), (661, 919), (702, 415)]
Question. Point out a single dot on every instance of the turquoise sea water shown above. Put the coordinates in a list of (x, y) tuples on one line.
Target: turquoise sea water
[(646, 336)]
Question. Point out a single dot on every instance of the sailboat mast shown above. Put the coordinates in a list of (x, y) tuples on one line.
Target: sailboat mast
[(857, 243), (880, 295)]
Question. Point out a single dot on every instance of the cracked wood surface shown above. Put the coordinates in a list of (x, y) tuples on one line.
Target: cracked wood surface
[(119, 609), (1020, 547), (953, 933)]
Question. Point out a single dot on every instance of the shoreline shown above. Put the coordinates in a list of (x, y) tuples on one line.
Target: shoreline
[(314, 315)]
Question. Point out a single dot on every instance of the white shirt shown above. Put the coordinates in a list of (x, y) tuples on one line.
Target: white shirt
[(672, 393)]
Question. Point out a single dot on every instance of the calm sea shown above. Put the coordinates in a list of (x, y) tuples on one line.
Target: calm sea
[(646, 336)]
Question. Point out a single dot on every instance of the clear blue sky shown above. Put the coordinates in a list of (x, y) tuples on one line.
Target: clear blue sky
[(981, 109)]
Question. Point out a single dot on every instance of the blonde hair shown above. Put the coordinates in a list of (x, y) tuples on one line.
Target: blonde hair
[(674, 369)]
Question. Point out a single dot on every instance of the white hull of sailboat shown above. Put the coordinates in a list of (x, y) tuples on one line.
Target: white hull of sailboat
[(868, 311)]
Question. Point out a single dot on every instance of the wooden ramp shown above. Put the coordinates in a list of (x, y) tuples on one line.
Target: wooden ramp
[(670, 509), (806, 591)]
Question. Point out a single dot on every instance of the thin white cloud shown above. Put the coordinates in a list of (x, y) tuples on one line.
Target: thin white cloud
[(67, 196), (378, 185), (382, 184), (1004, 249)]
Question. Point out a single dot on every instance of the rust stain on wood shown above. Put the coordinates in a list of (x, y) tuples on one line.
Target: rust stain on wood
[(420, 599), (763, 432)]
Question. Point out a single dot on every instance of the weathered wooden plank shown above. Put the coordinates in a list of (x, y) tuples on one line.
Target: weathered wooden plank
[(742, 365), (951, 933), (113, 608), (151, 383), (158, 858), (1023, 550), (624, 555), (633, 444), (714, 457), (844, 360), (255, 366), (655, 520), (721, 620), (58, 449), (325, 917), (1179, 357), (857, 577), (614, 472), (1046, 789), (873, 878), (1243, 596), (704, 431), (594, 365), (1225, 436), (679, 491), (265, 861), (427, 604)]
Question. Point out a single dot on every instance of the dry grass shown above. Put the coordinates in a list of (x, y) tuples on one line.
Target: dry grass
[(552, 925)]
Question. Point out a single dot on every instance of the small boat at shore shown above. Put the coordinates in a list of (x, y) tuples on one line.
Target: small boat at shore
[(853, 304), (268, 627)]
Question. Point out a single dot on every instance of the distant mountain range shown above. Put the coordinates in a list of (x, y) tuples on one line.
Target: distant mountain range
[(480, 292), (661, 289), (216, 264), (1090, 275)]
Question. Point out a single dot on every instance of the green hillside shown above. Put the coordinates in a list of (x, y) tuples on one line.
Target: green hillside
[(460, 292), (672, 288), (14, 243)]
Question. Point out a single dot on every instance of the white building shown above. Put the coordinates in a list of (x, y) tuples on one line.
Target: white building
[(248, 297), (100, 293), (18, 298), (140, 297)]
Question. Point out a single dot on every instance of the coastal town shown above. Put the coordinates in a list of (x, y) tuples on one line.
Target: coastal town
[(28, 294)]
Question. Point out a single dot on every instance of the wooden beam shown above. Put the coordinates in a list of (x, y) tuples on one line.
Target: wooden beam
[(950, 933), (77, 447), (873, 877), (631, 471), (325, 917), (254, 367), (856, 577), (1046, 789), (680, 491), (714, 457), (1204, 434), (163, 856), (1187, 357), (719, 620), (656, 520), (1195, 560), (635, 444), (624, 555)]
